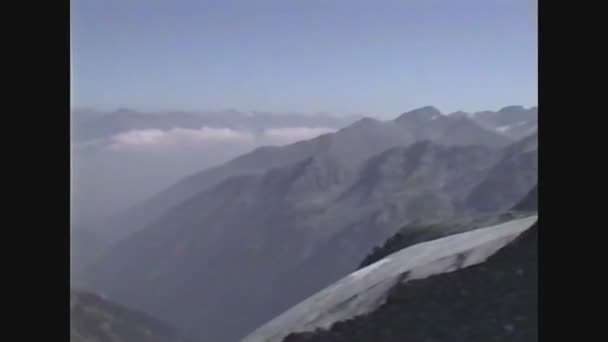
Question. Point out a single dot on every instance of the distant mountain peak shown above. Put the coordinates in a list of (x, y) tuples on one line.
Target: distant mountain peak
[(361, 126), (365, 122), (426, 109), (514, 108), (426, 112)]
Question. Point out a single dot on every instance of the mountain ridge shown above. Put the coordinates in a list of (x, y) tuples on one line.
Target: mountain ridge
[(352, 144), (181, 249)]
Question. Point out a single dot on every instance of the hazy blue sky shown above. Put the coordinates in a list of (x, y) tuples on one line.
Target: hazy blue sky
[(372, 57)]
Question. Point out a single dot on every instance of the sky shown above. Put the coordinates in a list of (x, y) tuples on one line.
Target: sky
[(375, 57)]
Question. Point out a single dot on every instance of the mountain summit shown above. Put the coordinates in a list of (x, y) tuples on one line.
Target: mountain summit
[(423, 113)]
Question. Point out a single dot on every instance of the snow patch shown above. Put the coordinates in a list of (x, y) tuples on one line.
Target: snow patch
[(364, 271)]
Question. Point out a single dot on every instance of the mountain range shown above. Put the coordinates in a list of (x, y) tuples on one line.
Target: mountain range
[(230, 247), (351, 145)]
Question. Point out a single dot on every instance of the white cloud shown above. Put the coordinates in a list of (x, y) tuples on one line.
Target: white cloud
[(177, 137)]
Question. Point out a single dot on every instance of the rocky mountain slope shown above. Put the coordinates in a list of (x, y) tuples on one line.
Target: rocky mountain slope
[(95, 319), (290, 231), (492, 301), (371, 289)]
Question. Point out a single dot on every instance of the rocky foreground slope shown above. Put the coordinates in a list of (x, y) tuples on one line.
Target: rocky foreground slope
[(373, 288), (492, 301)]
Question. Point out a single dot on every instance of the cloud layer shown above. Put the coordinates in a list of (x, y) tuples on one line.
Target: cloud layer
[(155, 139)]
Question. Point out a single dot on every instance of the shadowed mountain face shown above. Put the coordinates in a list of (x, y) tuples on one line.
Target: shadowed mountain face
[(95, 319), (516, 173), (493, 301), (288, 231), (349, 147)]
